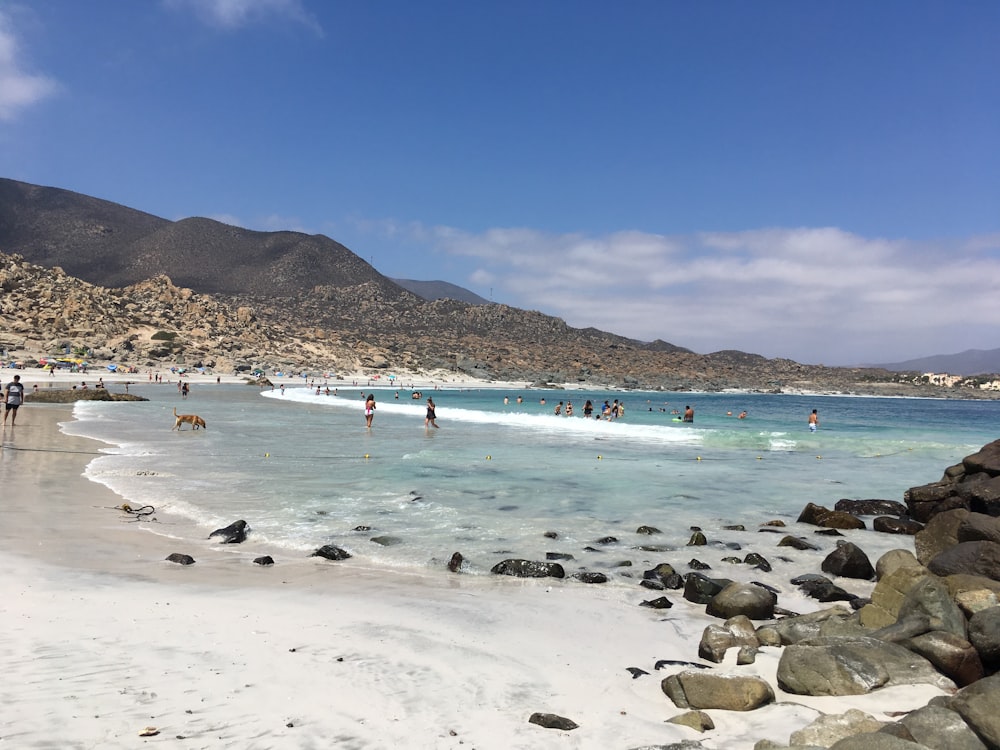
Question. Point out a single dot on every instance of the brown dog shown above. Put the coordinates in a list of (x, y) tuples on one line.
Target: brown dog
[(192, 419)]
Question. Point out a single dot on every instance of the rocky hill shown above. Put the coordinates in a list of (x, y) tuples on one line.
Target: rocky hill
[(137, 289)]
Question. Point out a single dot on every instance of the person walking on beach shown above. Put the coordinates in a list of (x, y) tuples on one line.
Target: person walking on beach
[(369, 410), (813, 421), (431, 418), (13, 398)]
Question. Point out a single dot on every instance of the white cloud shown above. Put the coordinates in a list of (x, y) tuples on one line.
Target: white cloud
[(810, 294), (19, 89), (235, 14)]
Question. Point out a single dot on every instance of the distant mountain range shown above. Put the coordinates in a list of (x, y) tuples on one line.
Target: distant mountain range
[(969, 362)]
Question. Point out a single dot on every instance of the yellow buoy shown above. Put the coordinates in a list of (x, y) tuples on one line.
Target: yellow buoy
[(489, 458), (599, 458), (698, 459), (267, 455), (366, 457)]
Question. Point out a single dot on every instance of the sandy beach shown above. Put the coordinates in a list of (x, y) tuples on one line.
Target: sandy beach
[(104, 641)]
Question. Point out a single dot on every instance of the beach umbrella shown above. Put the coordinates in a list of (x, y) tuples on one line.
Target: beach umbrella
[(113, 368)]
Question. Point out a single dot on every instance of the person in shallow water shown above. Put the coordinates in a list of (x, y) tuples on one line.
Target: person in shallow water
[(369, 410), (431, 418), (688, 414)]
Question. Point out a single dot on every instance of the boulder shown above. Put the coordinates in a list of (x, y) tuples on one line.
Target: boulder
[(528, 569), (894, 559), (744, 599), (876, 741), (805, 627), (838, 665), (978, 527), (889, 593), (953, 656), (937, 726), (975, 558), (984, 634), (849, 561), (940, 534), (700, 589), (930, 598), (696, 720), (890, 525), (817, 515), (979, 705), (871, 507), (701, 690), (797, 543), (180, 558), (986, 460), (717, 639), (829, 728)]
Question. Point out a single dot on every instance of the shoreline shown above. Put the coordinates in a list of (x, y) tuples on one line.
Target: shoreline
[(104, 638)]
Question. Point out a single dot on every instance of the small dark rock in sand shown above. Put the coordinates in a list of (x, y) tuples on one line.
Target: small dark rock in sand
[(661, 602), (586, 576), (180, 559), (265, 560), (552, 721), (455, 563), (234, 533)]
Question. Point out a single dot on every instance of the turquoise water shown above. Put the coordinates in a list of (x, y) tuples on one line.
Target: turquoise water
[(302, 469)]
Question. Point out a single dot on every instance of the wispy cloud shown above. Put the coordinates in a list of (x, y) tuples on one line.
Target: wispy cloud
[(235, 14), (810, 294), (19, 89)]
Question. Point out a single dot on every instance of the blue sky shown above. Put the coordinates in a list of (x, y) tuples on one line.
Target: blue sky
[(817, 181)]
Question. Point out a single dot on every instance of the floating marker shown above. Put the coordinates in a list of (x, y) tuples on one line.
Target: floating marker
[(267, 455), (599, 458), (819, 457), (366, 457), (489, 458), (698, 459), (760, 458)]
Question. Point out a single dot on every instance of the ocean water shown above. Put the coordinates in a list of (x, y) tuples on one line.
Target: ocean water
[(303, 471)]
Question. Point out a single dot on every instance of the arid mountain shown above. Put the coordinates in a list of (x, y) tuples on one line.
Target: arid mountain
[(432, 290), (141, 290)]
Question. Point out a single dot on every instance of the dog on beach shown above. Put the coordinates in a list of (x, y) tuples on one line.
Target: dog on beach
[(192, 419)]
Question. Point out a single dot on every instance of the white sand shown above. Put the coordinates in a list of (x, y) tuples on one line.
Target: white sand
[(101, 638)]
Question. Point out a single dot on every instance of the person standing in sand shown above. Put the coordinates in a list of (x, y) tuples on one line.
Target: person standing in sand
[(369, 410), (813, 421), (13, 396), (431, 418)]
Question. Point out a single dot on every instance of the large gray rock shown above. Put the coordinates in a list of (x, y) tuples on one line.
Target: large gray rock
[(877, 741), (717, 639), (698, 690), (754, 602), (974, 558), (930, 598), (852, 666), (979, 705), (890, 592), (984, 634), (829, 728), (953, 656), (937, 726), (806, 627)]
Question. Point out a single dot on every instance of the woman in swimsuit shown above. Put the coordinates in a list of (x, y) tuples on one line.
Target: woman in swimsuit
[(431, 416), (369, 410)]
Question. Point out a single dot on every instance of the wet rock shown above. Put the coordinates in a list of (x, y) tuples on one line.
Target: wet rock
[(647, 530), (180, 558), (796, 543), (263, 560), (234, 533), (528, 569), (456, 562), (953, 656), (871, 507), (758, 561), (700, 588), (585, 576), (979, 705), (937, 726), (984, 634), (745, 599), (848, 561), (331, 552), (890, 525)]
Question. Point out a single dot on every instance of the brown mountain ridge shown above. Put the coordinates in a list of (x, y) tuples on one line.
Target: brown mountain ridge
[(88, 273)]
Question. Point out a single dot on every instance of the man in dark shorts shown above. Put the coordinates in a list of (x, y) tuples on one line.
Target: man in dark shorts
[(13, 397)]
